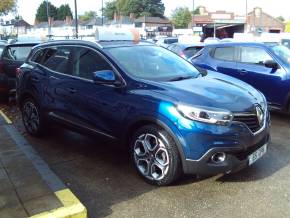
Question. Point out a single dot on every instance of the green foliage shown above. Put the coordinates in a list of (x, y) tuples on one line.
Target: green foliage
[(7, 6), (181, 17), (287, 28), (281, 18), (109, 9), (41, 13), (88, 15), (63, 11), (136, 7), (196, 11)]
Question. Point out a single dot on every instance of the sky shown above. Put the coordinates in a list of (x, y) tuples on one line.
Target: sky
[(27, 8)]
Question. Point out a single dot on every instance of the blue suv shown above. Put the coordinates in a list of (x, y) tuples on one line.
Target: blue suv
[(171, 117), (264, 66)]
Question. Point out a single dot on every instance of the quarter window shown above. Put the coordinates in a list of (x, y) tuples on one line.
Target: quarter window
[(254, 55), (225, 53), (86, 62)]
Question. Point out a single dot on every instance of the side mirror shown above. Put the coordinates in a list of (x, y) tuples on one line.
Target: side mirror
[(105, 77), (271, 64)]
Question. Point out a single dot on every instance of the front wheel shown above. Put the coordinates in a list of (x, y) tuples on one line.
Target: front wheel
[(155, 155)]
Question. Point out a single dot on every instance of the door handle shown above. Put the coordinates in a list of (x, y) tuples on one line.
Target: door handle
[(53, 78), (243, 72), (72, 90), (35, 79)]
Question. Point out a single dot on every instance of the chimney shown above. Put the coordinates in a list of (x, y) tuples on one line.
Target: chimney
[(68, 20), (50, 21)]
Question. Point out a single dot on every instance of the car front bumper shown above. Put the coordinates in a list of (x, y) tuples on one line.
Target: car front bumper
[(236, 159)]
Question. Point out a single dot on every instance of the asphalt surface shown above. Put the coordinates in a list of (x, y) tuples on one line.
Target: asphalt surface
[(103, 178)]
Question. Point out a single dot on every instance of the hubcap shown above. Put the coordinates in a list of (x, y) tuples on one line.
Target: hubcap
[(151, 157), (30, 117)]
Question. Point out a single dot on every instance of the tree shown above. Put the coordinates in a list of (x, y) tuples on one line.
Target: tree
[(154, 7), (196, 11), (281, 18), (63, 11), (110, 9), (41, 13), (88, 15), (6, 6), (181, 17), (137, 7), (287, 28)]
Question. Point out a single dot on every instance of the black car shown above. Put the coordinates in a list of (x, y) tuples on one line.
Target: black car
[(12, 56), (185, 51)]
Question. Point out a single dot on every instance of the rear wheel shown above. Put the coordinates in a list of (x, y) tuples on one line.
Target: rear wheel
[(32, 117), (155, 155)]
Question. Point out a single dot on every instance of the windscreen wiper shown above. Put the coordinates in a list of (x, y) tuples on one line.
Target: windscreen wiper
[(179, 78)]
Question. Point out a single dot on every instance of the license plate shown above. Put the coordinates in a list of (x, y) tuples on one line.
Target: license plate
[(257, 154)]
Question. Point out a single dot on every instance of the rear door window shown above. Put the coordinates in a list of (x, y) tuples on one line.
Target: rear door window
[(17, 53), (224, 53), (254, 55), (56, 59)]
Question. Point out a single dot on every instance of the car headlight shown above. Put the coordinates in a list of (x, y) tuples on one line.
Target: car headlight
[(205, 114)]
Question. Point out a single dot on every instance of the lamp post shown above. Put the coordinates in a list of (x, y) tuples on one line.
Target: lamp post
[(76, 19), (192, 14), (48, 20), (102, 12)]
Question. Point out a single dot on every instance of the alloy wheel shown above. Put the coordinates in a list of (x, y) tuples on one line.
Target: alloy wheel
[(151, 157), (30, 117)]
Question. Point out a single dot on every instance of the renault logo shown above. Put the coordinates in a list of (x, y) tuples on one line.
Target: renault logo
[(260, 115)]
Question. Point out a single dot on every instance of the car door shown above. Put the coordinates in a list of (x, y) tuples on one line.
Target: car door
[(96, 106), (56, 64), (224, 60), (252, 70)]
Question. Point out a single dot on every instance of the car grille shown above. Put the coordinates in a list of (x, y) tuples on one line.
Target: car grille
[(251, 120)]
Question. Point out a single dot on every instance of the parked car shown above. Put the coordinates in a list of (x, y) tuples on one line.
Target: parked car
[(172, 118), (11, 58), (264, 66), (165, 42), (185, 51)]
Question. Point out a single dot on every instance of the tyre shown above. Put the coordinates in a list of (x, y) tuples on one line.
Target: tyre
[(155, 155), (32, 117)]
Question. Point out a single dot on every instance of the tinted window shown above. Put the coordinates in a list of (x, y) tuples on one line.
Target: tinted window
[(38, 56), (225, 53), (17, 53), (152, 62), (57, 59), (170, 41), (191, 51), (254, 55), (87, 61)]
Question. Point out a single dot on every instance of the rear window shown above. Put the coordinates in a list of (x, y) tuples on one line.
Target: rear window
[(17, 53), (191, 51), (225, 53), (170, 41)]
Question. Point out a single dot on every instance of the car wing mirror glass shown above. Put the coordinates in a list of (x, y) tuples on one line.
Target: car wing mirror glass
[(271, 64), (104, 76)]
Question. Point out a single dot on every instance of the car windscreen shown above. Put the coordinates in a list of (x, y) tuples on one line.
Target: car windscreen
[(283, 52), (153, 63), (17, 53), (191, 51)]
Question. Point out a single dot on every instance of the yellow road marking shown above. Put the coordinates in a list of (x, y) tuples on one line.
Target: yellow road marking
[(8, 121), (72, 208)]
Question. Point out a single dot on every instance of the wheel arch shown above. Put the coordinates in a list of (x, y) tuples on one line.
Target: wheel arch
[(133, 126)]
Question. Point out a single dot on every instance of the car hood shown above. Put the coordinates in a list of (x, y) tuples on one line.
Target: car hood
[(214, 90)]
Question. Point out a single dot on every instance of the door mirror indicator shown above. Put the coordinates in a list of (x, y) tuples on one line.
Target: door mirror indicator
[(271, 64), (106, 77)]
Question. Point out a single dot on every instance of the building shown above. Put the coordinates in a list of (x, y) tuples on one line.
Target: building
[(223, 24), (13, 27), (66, 28), (259, 22)]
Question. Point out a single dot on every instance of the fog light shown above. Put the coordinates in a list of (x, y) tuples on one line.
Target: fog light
[(218, 157)]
